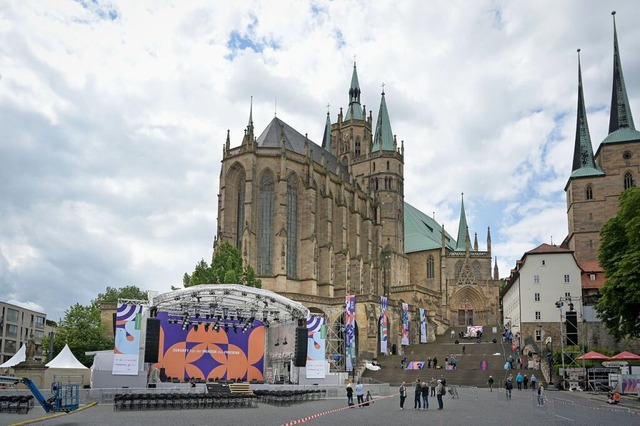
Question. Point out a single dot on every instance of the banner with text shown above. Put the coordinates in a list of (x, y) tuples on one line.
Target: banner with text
[(384, 323), (350, 331), (316, 347), (404, 341), (126, 351)]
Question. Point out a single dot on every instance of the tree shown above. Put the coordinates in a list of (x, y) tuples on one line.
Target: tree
[(82, 331), (111, 295), (619, 257), (226, 268)]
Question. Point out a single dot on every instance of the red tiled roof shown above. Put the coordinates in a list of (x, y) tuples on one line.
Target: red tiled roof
[(548, 248)]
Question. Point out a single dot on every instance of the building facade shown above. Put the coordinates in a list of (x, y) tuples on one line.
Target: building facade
[(321, 221), (17, 324)]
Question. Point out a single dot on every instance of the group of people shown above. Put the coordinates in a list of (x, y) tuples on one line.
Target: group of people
[(520, 380), (363, 400), (422, 392), (430, 362)]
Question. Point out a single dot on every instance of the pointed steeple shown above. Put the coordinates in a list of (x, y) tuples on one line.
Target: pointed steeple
[(463, 230), (496, 273), (383, 139), (326, 138), (250, 125), (583, 150), (620, 109), (489, 239), (354, 111)]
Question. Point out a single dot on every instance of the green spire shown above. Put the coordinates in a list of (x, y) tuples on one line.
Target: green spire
[(463, 230), (620, 109), (354, 111), (326, 139), (383, 136), (583, 150)]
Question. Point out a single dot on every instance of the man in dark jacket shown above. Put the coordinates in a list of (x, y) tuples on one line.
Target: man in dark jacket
[(417, 396)]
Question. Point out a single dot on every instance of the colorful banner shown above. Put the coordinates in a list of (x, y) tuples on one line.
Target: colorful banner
[(423, 325), (126, 351), (209, 354), (384, 324), (405, 325), (350, 331), (316, 347)]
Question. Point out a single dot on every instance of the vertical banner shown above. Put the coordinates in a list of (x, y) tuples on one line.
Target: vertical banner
[(405, 325), (126, 351), (423, 325), (384, 324), (350, 331), (316, 357)]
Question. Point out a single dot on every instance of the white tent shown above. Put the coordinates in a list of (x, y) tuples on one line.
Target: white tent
[(65, 359), (17, 358)]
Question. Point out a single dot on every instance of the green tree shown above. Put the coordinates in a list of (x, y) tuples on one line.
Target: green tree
[(226, 268), (619, 257), (82, 331), (111, 295)]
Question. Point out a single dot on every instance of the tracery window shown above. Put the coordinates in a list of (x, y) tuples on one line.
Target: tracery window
[(265, 224), (628, 180), (589, 192), (292, 226), (240, 213), (430, 267)]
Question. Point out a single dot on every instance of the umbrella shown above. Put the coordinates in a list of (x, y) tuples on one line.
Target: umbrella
[(593, 356), (627, 356)]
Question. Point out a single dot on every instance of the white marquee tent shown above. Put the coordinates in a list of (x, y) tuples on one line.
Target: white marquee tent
[(17, 358), (66, 368)]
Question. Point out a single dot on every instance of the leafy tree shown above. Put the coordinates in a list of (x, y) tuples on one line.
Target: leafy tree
[(111, 295), (226, 268), (82, 331), (619, 257)]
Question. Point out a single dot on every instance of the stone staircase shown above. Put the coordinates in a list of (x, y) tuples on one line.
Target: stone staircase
[(468, 371)]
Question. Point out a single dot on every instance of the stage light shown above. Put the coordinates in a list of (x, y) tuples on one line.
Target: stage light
[(265, 316), (226, 327), (195, 327), (206, 327), (225, 313), (235, 327), (185, 325)]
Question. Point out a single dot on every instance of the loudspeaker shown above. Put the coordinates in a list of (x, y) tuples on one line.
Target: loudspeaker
[(300, 355), (163, 375), (113, 323), (572, 328), (152, 340)]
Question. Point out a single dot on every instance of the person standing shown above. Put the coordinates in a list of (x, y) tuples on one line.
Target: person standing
[(349, 394), (403, 394), (464, 350), (425, 395), (525, 382), (519, 380), (417, 395), (440, 390), (533, 381), (435, 362), (432, 384), (368, 399), (360, 393), (540, 396), (453, 334), (508, 386), (490, 382), (429, 362)]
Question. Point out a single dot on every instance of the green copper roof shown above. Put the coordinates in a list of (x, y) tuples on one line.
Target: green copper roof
[(586, 171), (326, 138), (383, 136), (583, 161), (422, 232), (623, 134), (620, 110), (463, 230), (354, 111)]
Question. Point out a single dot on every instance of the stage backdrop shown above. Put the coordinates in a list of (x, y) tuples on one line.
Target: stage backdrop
[(210, 354), (316, 348), (127, 339)]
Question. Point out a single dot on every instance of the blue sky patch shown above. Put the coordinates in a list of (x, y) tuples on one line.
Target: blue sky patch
[(248, 40)]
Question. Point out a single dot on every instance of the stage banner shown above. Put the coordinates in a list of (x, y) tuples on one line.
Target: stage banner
[(126, 351), (316, 348), (423, 325), (384, 324), (207, 352), (350, 331), (405, 325)]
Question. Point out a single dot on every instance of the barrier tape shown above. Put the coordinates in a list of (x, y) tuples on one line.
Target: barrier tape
[(324, 413), (621, 409)]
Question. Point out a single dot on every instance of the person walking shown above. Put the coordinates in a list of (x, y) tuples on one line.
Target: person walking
[(349, 394), (464, 350), (425, 395), (440, 391), (533, 381), (368, 399), (508, 386), (519, 380), (360, 393), (417, 395), (403, 394), (540, 397), (490, 382), (453, 334)]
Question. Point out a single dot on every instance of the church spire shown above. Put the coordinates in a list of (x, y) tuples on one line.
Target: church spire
[(583, 150), (354, 111), (250, 125), (326, 138), (620, 108), (383, 139), (463, 229)]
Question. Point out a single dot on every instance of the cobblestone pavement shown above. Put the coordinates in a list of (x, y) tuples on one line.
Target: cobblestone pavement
[(474, 407)]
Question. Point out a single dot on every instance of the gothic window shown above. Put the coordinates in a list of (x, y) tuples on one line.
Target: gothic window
[(374, 166), (240, 213), (628, 180), (458, 268), (477, 269), (430, 267), (387, 164), (589, 192), (265, 224), (358, 146), (292, 226)]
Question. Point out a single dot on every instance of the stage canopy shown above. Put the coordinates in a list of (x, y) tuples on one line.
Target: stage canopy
[(228, 300)]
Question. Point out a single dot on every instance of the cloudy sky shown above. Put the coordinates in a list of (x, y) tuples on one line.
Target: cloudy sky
[(113, 115)]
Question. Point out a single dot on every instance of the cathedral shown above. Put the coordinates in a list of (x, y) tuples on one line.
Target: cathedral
[(322, 221)]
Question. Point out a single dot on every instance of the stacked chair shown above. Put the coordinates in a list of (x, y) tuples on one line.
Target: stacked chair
[(289, 397), (16, 403)]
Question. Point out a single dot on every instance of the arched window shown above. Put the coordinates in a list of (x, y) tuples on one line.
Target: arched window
[(357, 147), (292, 226), (387, 164), (240, 213), (430, 267), (589, 192), (628, 180), (265, 224), (374, 166)]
